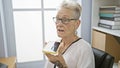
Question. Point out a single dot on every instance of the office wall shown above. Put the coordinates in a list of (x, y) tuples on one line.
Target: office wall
[(7, 37), (2, 51), (86, 20), (9, 25), (3, 46)]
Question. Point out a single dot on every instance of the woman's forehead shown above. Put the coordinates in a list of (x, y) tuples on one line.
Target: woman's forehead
[(65, 12)]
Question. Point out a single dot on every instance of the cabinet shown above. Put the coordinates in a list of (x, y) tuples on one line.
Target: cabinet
[(102, 38), (106, 42), (10, 61)]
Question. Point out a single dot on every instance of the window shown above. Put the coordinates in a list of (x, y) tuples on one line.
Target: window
[(28, 33), (33, 26)]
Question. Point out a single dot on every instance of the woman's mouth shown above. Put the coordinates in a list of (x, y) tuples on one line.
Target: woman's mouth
[(60, 30)]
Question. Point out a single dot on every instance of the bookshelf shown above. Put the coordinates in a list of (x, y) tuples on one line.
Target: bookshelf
[(105, 39)]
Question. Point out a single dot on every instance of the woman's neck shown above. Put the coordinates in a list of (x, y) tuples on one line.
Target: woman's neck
[(65, 43), (68, 40)]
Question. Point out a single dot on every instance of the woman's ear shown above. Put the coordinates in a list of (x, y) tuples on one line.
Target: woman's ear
[(78, 23)]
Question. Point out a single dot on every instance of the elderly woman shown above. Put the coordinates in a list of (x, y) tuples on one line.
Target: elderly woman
[(72, 51)]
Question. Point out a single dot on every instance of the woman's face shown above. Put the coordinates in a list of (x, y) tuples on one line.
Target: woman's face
[(68, 28)]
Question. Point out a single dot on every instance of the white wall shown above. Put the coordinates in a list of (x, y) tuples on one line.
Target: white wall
[(7, 37), (2, 49), (86, 20), (9, 26), (3, 46)]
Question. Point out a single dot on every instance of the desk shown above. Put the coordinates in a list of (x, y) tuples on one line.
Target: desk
[(10, 61), (107, 40)]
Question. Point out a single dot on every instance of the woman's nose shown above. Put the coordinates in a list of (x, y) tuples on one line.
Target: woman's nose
[(59, 24)]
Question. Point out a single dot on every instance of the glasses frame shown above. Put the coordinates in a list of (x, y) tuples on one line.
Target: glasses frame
[(63, 20)]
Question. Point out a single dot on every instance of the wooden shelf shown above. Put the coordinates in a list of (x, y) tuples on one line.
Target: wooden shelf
[(108, 31)]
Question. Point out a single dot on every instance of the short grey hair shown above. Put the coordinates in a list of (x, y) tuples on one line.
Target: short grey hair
[(72, 5)]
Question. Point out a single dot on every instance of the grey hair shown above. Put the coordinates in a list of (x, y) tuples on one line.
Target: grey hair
[(72, 5)]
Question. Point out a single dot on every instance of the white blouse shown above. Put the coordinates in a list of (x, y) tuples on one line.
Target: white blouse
[(78, 55)]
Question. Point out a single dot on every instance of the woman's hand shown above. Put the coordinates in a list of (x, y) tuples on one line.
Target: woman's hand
[(57, 59)]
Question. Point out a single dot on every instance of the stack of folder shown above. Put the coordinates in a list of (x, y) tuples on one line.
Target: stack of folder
[(109, 17)]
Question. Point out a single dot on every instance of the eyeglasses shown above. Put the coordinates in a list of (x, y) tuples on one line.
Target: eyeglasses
[(64, 21)]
